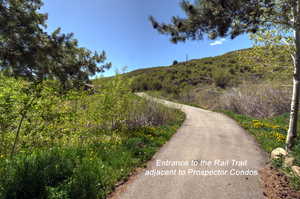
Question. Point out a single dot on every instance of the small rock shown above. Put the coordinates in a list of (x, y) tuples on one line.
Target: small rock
[(276, 153), (288, 161), (296, 170)]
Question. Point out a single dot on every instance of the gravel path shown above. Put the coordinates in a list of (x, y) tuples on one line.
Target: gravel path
[(228, 162)]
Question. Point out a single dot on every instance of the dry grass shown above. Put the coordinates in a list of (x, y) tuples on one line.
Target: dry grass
[(149, 113), (257, 100), (206, 96)]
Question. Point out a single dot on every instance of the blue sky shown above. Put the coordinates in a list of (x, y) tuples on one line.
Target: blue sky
[(122, 29)]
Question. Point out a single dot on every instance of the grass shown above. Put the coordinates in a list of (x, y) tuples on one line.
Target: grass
[(269, 133)]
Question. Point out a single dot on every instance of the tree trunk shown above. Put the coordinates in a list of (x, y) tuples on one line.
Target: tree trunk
[(17, 136), (292, 132)]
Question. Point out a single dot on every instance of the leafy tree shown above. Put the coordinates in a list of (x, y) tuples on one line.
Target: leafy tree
[(28, 51), (175, 62), (222, 18), (272, 50)]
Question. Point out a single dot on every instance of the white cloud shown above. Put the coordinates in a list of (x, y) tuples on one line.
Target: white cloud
[(218, 42)]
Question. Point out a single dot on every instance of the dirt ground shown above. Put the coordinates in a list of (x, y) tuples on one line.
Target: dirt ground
[(276, 185)]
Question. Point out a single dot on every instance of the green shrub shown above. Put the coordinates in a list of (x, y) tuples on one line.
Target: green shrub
[(71, 173), (89, 180), (28, 175), (57, 193), (222, 78)]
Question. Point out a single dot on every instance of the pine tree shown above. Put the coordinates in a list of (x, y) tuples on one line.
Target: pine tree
[(27, 50)]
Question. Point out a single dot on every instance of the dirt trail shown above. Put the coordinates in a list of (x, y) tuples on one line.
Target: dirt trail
[(204, 135)]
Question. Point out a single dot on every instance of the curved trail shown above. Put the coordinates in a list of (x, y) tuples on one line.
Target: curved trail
[(204, 135)]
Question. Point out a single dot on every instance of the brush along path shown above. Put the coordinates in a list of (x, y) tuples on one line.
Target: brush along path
[(210, 157)]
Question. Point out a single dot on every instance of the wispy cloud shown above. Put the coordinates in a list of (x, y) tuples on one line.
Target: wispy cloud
[(218, 42)]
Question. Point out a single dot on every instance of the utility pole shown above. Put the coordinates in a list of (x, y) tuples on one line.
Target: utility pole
[(186, 58)]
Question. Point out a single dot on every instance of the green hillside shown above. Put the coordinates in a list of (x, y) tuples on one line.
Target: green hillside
[(223, 71)]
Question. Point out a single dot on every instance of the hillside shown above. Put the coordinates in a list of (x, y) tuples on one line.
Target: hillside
[(223, 71)]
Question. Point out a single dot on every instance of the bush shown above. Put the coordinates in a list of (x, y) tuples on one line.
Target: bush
[(222, 78), (28, 175), (88, 180), (259, 100), (28, 109), (58, 173)]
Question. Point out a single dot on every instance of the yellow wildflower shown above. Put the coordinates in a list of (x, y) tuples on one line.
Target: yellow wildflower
[(257, 124)]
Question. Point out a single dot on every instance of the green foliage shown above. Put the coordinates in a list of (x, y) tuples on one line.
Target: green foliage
[(28, 51), (272, 61), (294, 180), (27, 175), (113, 102), (28, 112), (80, 172), (296, 152), (278, 162), (221, 78), (38, 116), (79, 144)]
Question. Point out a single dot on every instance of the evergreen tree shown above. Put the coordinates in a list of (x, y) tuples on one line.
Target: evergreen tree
[(21, 36), (28, 51), (231, 18)]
